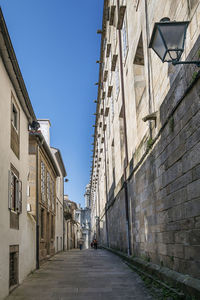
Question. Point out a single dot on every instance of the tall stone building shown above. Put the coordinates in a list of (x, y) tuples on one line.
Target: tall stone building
[(43, 173), (145, 179), (83, 217), (17, 227), (59, 220)]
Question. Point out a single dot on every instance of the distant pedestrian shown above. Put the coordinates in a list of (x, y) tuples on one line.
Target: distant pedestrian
[(95, 244), (80, 245), (92, 244)]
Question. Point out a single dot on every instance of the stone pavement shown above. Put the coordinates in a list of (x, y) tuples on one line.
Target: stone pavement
[(87, 274)]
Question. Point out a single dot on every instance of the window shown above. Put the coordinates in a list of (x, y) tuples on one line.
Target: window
[(122, 138), (117, 81), (124, 39), (61, 243), (52, 194), (57, 243), (13, 265), (42, 223), (15, 116), (15, 193), (52, 227), (48, 189), (112, 108), (113, 162), (43, 181), (140, 88), (15, 126)]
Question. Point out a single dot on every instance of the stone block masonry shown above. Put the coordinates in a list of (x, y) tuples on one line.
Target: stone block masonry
[(145, 179), (165, 214)]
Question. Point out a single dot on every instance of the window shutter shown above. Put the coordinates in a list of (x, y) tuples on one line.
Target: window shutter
[(20, 196), (17, 195), (9, 189)]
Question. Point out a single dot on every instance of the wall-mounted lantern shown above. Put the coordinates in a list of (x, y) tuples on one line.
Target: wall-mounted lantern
[(168, 39)]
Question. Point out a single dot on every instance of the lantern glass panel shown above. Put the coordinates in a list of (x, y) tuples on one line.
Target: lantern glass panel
[(173, 55), (158, 45), (173, 34)]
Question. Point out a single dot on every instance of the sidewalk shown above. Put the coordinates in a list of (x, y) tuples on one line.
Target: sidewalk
[(82, 275)]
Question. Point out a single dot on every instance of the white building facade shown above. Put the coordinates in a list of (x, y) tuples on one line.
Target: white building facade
[(17, 226), (59, 220)]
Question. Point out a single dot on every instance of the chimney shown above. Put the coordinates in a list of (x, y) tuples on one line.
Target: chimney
[(45, 129)]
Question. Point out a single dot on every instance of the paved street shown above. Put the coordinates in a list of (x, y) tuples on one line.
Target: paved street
[(86, 274)]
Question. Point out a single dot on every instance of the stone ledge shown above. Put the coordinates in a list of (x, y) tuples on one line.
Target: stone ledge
[(189, 285)]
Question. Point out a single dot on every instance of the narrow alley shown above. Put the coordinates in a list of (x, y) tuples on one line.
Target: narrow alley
[(80, 275)]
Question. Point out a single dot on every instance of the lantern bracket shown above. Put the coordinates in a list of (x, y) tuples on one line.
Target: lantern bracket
[(197, 63)]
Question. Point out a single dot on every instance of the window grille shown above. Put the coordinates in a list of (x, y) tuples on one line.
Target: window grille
[(13, 268)]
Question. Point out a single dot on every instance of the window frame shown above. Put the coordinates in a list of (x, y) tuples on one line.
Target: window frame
[(14, 192), (15, 114)]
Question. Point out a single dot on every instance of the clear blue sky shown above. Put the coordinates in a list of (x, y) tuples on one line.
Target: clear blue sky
[(56, 45)]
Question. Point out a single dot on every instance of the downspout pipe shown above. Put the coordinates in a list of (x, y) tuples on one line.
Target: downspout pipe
[(148, 67), (37, 209), (63, 218), (126, 141)]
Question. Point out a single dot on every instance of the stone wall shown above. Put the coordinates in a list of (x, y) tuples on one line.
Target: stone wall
[(164, 192), (160, 160), (166, 206), (117, 224)]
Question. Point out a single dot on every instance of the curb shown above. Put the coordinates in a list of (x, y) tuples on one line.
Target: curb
[(188, 285)]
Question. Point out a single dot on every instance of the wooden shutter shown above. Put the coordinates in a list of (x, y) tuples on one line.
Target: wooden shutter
[(20, 196), (17, 195), (9, 190)]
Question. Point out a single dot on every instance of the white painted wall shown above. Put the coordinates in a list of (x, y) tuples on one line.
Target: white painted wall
[(25, 236), (59, 208), (45, 129)]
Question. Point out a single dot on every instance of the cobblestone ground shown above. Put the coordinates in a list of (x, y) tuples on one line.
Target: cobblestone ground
[(87, 274)]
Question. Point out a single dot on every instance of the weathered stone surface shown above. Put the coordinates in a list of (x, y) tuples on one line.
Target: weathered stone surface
[(86, 274), (164, 186)]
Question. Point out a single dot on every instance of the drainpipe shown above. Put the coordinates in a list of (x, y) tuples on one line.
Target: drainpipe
[(37, 210), (105, 158), (126, 142), (99, 232), (148, 67), (63, 219)]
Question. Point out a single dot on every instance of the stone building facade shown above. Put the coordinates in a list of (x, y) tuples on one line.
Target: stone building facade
[(59, 220), (17, 227), (145, 180), (73, 231), (83, 217), (42, 194)]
